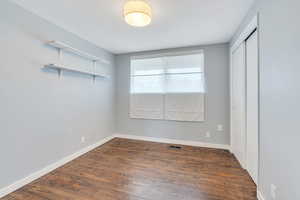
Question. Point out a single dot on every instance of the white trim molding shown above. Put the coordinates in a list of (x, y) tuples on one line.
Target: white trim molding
[(24, 181), (253, 24), (166, 54), (174, 141), (260, 196)]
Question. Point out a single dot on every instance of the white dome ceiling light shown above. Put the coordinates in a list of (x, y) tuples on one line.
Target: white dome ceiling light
[(137, 13)]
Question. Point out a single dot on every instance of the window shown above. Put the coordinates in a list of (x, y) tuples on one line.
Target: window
[(169, 87)]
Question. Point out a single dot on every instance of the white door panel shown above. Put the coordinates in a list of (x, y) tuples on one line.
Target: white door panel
[(238, 107), (252, 105)]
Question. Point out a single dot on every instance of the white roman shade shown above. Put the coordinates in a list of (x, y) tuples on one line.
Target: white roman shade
[(168, 87), (185, 107), (147, 106)]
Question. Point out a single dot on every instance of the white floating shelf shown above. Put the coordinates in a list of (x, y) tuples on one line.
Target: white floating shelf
[(72, 69), (65, 47)]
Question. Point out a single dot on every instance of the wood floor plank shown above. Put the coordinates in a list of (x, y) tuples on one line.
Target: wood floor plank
[(124, 169)]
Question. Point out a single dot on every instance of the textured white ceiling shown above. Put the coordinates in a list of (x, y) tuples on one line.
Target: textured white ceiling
[(175, 23)]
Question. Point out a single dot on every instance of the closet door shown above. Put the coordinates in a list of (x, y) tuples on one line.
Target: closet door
[(252, 106), (238, 88)]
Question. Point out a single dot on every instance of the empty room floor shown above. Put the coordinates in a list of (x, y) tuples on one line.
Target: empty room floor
[(125, 169)]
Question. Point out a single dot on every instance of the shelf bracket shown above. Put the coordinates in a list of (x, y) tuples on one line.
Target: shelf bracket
[(94, 66), (60, 57), (60, 73), (60, 54)]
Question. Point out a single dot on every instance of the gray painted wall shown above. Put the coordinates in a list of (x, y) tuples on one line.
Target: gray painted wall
[(217, 74), (43, 118), (279, 96)]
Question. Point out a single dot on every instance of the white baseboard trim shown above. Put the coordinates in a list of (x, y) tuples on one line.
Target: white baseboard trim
[(260, 196), (174, 141), (20, 183), (24, 181)]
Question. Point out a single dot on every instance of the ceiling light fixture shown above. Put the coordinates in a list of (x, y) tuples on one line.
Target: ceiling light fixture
[(137, 13)]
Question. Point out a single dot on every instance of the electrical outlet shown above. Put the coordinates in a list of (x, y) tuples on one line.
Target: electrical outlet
[(82, 139), (273, 191), (207, 134), (220, 127)]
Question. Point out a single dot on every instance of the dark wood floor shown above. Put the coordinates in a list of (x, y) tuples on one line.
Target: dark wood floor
[(135, 170)]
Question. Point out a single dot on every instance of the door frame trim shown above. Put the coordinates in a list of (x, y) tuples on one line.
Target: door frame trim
[(252, 25)]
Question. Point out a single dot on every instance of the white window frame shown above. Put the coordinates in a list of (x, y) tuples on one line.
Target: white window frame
[(169, 54)]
